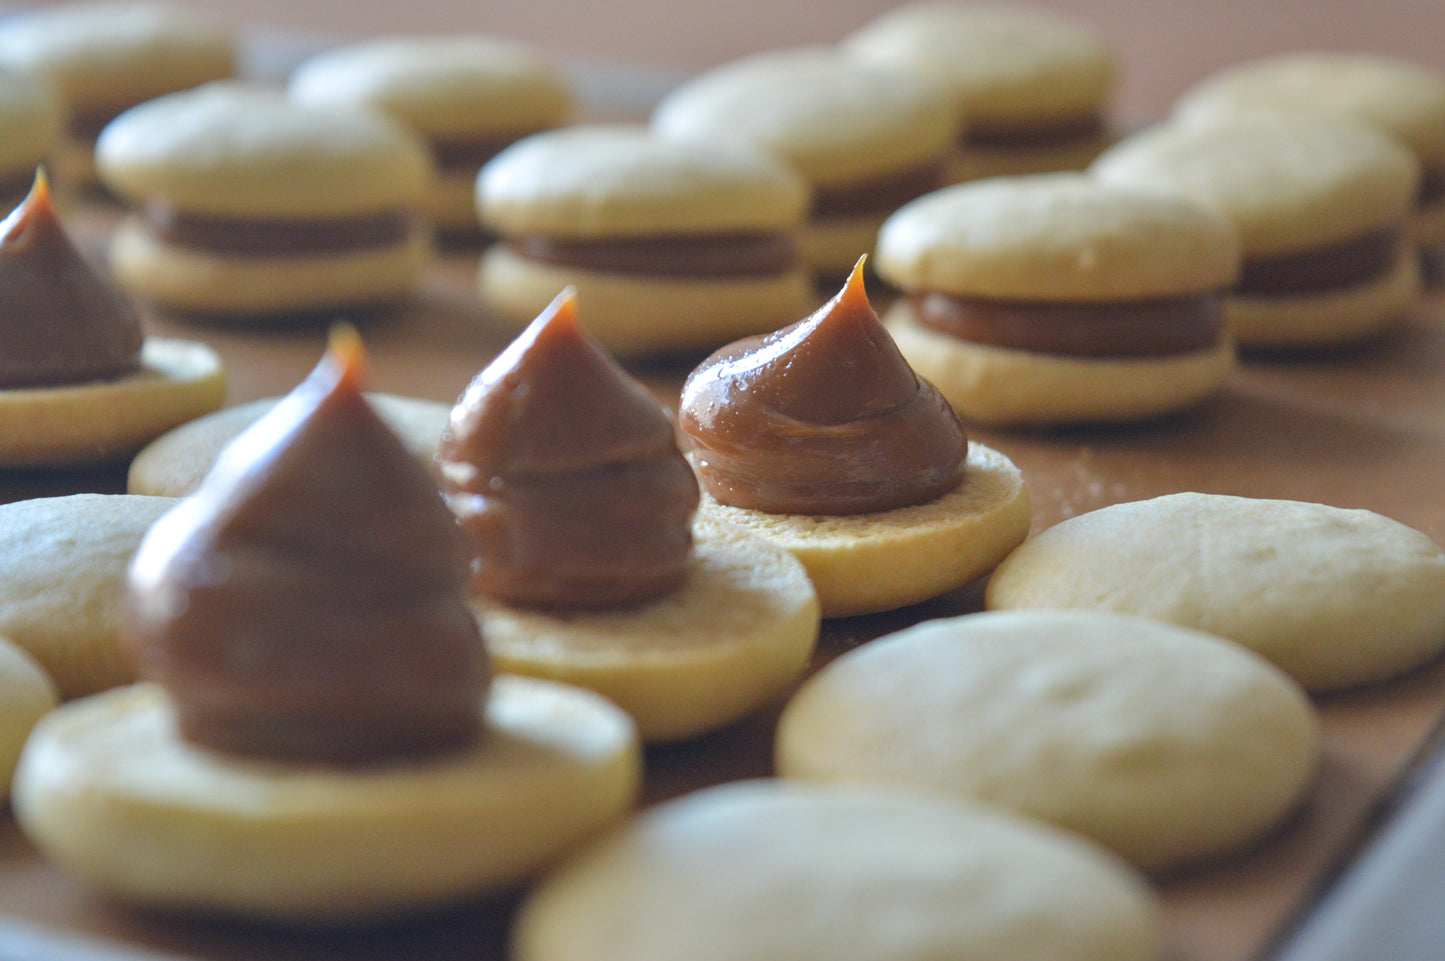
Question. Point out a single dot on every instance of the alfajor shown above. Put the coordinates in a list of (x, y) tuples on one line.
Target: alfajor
[(31, 119), (252, 206), (1056, 299)]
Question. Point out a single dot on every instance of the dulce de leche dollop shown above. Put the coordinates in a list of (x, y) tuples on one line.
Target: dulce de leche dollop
[(308, 601), (566, 474), (822, 417), (60, 322)]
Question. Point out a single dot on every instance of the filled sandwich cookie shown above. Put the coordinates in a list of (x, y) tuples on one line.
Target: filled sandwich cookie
[(1321, 206), (1055, 299), (31, 119), (866, 138), (468, 97), (1034, 87), (250, 206), (672, 245)]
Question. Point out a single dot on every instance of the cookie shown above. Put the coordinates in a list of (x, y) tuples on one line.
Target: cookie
[(31, 119), (1404, 99), (735, 636), (672, 245), (866, 138), (173, 464), (107, 789), (1034, 86), (253, 207), (1054, 299), (1321, 208), (467, 96), (26, 695), (1166, 745), (766, 871), (103, 58), (64, 566), (1334, 597)]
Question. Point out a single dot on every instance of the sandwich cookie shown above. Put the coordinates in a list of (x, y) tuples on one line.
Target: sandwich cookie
[(79, 381), (1404, 99), (318, 738), (26, 695), (1166, 745), (31, 120), (1336, 598), (1033, 86), (672, 245), (587, 564), (251, 206), (466, 96), (821, 439), (103, 58), (866, 138), (769, 871), (1321, 206), (1055, 299)]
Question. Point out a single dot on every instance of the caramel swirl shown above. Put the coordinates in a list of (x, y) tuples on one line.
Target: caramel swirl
[(308, 601), (1346, 264), (709, 255), (822, 417), (263, 238), (62, 322), (566, 475)]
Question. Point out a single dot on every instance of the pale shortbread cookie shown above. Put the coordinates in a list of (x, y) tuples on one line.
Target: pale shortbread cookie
[(1334, 597), (78, 424), (1058, 237), (1166, 745), (763, 871), (864, 563), (173, 464), (832, 245), (30, 123), (63, 564), (108, 789), (998, 385), (735, 635), (26, 695)]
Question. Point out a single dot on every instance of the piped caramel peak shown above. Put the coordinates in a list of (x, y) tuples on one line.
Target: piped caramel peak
[(60, 322), (308, 601), (822, 417), (566, 475)]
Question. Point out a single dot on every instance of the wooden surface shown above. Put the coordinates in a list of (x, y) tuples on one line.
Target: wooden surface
[(1358, 428)]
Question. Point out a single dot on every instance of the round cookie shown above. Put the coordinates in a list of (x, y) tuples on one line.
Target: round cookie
[(1055, 299), (866, 138), (1404, 99), (467, 96), (253, 206), (108, 789), (103, 58), (672, 245), (64, 565), (763, 871), (1033, 85), (735, 636), (1334, 597), (26, 695), (79, 424), (30, 122), (864, 563), (1320, 205), (173, 464), (1165, 745)]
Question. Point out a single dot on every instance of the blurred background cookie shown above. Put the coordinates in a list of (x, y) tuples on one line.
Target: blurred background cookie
[(31, 120)]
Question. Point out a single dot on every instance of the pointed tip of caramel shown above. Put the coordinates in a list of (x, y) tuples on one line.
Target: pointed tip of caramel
[(561, 311), (855, 287), (346, 356), (37, 202)]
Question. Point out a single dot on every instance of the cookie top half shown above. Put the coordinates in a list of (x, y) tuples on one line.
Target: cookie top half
[(619, 180), (838, 121), (113, 54), (30, 121), (1055, 237), (447, 88), (1010, 66), (1403, 98), (1287, 184), (237, 151)]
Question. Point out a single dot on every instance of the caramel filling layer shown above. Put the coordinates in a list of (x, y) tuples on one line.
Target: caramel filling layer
[(712, 255), (1346, 264), (1050, 133), (272, 237), (880, 195), (1148, 328), (471, 154), (1432, 187)]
